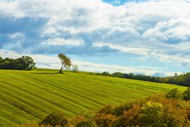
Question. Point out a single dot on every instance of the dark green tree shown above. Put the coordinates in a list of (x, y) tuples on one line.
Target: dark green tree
[(8, 63), (87, 123), (174, 94), (25, 63), (54, 119), (186, 94), (1, 59)]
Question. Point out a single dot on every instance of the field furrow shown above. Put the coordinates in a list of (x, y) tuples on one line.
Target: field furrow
[(31, 95)]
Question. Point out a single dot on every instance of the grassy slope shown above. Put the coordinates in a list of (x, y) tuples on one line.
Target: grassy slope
[(31, 95)]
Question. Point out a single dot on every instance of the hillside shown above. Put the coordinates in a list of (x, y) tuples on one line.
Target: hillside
[(31, 95)]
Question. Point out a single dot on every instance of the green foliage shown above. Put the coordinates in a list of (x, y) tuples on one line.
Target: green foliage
[(174, 93), (120, 109), (183, 79), (105, 73), (129, 118), (109, 109), (88, 123), (151, 114), (155, 111), (54, 119), (23, 63), (186, 94), (104, 120), (65, 62), (1, 58)]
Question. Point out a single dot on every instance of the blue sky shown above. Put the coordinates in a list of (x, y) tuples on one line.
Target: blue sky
[(139, 36)]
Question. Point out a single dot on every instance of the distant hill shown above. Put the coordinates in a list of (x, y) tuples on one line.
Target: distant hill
[(31, 95)]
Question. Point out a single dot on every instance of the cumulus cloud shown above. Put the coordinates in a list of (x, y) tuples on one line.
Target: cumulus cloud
[(156, 29), (61, 41), (171, 31)]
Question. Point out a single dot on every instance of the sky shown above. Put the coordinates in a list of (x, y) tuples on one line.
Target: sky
[(151, 37)]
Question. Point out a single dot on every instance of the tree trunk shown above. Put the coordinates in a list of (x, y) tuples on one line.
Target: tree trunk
[(61, 69)]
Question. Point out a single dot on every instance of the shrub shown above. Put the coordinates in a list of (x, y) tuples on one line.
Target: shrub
[(107, 110), (77, 119), (130, 118), (174, 94), (186, 94), (104, 120), (54, 119), (88, 123), (122, 108), (151, 114)]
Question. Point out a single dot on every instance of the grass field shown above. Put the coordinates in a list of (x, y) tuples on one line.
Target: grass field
[(31, 95)]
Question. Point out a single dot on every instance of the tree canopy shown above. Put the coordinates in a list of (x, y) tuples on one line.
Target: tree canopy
[(22, 63), (65, 62)]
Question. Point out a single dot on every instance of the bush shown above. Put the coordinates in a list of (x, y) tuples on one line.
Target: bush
[(88, 123), (109, 109), (174, 94), (186, 94), (104, 120), (151, 114), (122, 108), (129, 118), (54, 119)]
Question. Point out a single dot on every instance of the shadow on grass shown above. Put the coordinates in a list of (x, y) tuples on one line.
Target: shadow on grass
[(45, 73)]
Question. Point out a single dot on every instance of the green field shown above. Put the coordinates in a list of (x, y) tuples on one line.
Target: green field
[(31, 95)]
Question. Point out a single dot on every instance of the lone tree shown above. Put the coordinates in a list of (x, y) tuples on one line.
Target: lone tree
[(65, 62)]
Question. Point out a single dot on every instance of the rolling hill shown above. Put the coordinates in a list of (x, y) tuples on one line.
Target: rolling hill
[(31, 95)]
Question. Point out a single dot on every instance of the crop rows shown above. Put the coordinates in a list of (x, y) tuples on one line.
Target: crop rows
[(31, 95)]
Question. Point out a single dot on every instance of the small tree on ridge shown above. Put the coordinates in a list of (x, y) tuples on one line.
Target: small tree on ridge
[(65, 62)]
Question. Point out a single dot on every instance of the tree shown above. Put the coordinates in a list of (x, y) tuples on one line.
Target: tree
[(1, 58), (25, 63), (65, 62), (174, 93), (87, 123), (151, 114), (186, 94), (54, 119), (8, 63), (75, 68)]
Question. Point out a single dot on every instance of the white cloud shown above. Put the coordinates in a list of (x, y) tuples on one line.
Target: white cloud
[(11, 9), (61, 41), (131, 50), (135, 28), (171, 29), (160, 55)]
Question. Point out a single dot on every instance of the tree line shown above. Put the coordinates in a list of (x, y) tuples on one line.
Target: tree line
[(22, 63), (183, 79)]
